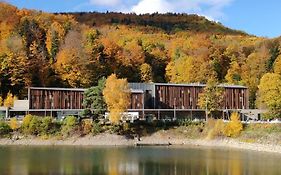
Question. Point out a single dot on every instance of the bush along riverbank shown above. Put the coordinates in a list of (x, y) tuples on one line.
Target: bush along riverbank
[(33, 130)]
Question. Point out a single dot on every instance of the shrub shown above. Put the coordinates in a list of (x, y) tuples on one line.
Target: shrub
[(126, 126), (56, 127), (4, 128), (215, 128), (184, 122), (26, 120), (31, 125), (69, 125), (34, 126), (46, 125), (14, 124), (25, 123), (234, 127), (219, 127), (96, 129), (87, 126)]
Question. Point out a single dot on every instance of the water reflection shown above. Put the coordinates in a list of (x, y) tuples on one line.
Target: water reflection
[(134, 161)]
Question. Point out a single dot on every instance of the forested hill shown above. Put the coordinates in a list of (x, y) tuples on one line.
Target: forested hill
[(169, 22), (77, 49)]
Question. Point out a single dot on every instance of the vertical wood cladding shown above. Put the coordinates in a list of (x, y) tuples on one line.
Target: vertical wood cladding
[(56, 99), (178, 97), (137, 100), (152, 96), (236, 98), (186, 97)]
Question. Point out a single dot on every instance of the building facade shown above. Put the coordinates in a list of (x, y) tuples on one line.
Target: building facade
[(185, 96), (158, 99)]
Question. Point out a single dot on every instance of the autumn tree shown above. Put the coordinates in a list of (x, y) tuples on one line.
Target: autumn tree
[(117, 97), (55, 35), (277, 65), (220, 62), (8, 19), (251, 73), (234, 127), (188, 69), (14, 124), (71, 61), (93, 100), (211, 98), (270, 94), (13, 67), (233, 75), (34, 39), (274, 52), (146, 73), (156, 56), (180, 71), (9, 100)]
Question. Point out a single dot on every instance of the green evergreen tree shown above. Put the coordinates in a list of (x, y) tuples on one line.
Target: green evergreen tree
[(93, 100), (55, 46), (274, 53)]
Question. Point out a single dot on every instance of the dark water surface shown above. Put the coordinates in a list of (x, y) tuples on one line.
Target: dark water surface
[(136, 161)]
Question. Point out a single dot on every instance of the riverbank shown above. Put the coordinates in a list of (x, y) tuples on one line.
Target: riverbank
[(106, 139)]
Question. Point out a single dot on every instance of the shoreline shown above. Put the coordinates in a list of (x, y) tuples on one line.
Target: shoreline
[(153, 140)]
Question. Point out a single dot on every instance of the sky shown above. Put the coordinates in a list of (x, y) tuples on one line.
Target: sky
[(257, 17)]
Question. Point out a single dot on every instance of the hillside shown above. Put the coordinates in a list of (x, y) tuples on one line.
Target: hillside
[(170, 22), (77, 49)]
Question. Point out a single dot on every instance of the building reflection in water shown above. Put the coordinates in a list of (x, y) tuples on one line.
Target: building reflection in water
[(135, 161)]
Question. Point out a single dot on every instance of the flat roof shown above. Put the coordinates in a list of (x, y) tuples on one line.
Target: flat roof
[(74, 89), (139, 90), (57, 89), (192, 85)]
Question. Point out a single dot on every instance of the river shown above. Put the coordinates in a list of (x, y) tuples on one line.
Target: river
[(22, 160)]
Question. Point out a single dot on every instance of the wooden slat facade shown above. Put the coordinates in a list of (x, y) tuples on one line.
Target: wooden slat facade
[(186, 97), (235, 98), (137, 101), (143, 96), (55, 98), (176, 97)]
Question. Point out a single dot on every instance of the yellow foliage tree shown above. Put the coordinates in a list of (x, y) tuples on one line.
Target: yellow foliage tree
[(180, 71), (233, 74), (14, 124), (1, 101), (252, 71), (146, 72), (187, 69), (9, 101), (117, 97), (234, 127), (211, 98), (270, 94), (277, 65)]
